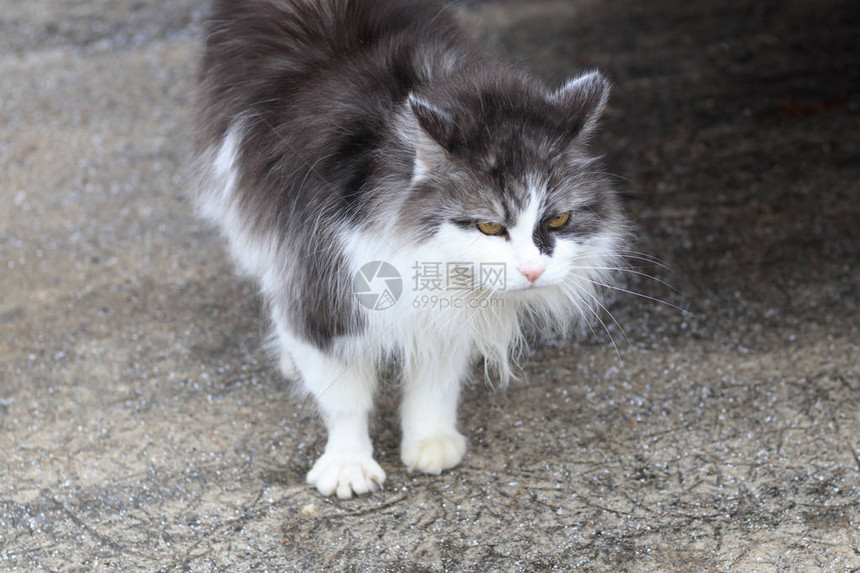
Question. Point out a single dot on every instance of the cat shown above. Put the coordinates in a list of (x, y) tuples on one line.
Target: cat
[(399, 195)]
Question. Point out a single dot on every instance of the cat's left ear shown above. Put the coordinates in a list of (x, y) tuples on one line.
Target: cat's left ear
[(430, 129), (582, 101)]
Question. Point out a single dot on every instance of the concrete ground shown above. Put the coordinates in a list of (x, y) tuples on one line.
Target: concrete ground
[(142, 429)]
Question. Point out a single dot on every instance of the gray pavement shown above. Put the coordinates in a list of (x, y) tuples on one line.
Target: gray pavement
[(142, 428)]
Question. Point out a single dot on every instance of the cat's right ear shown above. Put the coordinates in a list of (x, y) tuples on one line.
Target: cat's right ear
[(582, 101), (431, 129)]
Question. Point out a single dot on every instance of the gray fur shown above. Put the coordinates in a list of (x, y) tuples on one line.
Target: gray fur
[(337, 97)]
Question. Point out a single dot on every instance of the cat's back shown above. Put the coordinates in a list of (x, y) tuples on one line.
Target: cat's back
[(297, 100), (308, 29), (293, 50)]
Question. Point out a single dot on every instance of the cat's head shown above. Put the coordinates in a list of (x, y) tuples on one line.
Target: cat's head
[(502, 177)]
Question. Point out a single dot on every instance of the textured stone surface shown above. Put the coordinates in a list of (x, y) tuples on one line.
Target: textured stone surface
[(142, 428)]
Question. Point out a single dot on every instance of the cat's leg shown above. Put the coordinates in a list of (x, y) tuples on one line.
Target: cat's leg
[(344, 395), (431, 392)]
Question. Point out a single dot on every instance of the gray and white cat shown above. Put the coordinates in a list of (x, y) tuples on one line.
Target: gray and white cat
[(398, 194)]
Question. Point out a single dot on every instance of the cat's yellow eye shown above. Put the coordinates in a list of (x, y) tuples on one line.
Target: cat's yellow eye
[(558, 221), (490, 228)]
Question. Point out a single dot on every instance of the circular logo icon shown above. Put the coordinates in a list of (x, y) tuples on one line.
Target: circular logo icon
[(377, 285)]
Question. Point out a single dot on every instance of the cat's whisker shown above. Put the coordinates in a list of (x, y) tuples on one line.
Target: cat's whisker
[(606, 310), (649, 261), (639, 294), (636, 255), (572, 292), (630, 271)]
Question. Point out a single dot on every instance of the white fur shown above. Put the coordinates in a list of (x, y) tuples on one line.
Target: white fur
[(437, 333), (217, 203), (344, 394)]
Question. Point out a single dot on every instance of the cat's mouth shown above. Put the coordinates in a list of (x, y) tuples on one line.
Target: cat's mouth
[(529, 287)]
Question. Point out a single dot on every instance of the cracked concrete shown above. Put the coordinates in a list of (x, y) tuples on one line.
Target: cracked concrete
[(143, 429)]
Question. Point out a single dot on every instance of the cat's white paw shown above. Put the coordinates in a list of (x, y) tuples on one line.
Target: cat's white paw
[(346, 474), (434, 454)]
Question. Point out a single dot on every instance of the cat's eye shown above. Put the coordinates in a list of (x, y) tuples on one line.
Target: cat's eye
[(558, 221), (490, 228)]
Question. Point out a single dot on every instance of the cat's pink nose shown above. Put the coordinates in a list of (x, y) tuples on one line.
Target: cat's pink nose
[(532, 273)]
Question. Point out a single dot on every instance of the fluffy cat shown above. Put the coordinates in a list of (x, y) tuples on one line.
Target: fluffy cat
[(398, 194)]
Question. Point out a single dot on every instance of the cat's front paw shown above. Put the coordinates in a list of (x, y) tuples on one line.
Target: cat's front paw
[(346, 474), (434, 454)]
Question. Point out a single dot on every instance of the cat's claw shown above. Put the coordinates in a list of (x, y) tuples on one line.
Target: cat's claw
[(288, 367), (346, 474), (434, 454)]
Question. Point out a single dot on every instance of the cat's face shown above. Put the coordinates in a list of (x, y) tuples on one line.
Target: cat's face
[(505, 186), (540, 240)]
